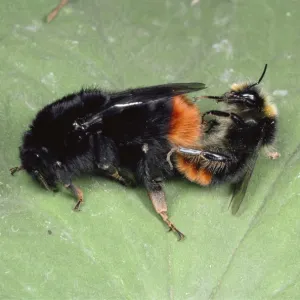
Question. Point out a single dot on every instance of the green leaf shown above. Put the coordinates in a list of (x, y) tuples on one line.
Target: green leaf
[(116, 247)]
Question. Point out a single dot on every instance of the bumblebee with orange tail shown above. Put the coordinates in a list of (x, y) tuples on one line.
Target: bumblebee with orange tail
[(231, 140), (119, 134)]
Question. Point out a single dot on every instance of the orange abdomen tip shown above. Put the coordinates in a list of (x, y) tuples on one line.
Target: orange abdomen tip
[(204, 177), (193, 173), (185, 127)]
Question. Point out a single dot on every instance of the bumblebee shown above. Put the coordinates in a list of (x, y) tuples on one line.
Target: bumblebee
[(231, 140), (117, 134)]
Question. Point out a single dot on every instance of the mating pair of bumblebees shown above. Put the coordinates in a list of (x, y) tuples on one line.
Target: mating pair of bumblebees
[(149, 134)]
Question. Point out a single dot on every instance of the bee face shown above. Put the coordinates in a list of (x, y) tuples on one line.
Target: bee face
[(36, 162), (244, 97)]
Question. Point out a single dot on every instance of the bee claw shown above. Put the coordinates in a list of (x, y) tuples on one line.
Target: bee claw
[(77, 193), (77, 206), (15, 169), (181, 236), (273, 155)]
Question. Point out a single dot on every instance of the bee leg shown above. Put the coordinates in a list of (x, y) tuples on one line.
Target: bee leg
[(121, 177), (273, 155), (115, 173), (65, 179), (55, 11), (153, 183), (270, 151), (77, 193), (106, 159), (158, 199), (234, 117), (16, 169), (206, 154)]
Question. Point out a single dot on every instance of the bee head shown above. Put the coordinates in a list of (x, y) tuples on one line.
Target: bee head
[(39, 165), (37, 161), (245, 96)]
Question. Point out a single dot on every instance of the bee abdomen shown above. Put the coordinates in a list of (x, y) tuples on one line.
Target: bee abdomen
[(185, 126), (193, 172)]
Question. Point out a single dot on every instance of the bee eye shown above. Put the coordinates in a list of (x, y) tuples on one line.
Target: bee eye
[(248, 96), (250, 100)]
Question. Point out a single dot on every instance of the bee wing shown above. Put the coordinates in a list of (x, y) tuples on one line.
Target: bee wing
[(240, 188), (154, 93), (120, 101)]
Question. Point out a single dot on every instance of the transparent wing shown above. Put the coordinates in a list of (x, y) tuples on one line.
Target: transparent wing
[(240, 188)]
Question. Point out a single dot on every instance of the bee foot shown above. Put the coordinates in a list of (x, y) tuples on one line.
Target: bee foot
[(273, 155)]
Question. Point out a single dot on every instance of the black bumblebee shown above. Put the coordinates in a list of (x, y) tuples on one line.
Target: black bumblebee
[(114, 133), (231, 140)]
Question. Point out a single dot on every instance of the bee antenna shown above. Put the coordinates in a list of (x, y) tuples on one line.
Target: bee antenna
[(208, 97), (263, 74), (261, 77), (41, 179)]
